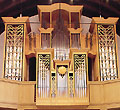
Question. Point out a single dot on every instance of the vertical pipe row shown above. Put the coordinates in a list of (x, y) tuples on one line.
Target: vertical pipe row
[(43, 76), (80, 75)]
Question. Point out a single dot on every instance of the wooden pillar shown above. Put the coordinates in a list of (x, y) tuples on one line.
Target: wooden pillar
[(70, 19), (50, 19)]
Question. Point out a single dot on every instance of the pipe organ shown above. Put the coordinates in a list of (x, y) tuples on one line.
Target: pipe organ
[(44, 74), (14, 52), (80, 71), (108, 61), (64, 80), (15, 47), (62, 52), (106, 57)]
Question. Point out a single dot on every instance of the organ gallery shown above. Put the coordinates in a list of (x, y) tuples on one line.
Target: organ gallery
[(73, 71)]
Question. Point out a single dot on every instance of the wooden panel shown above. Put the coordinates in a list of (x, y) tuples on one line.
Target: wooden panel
[(10, 91), (107, 92), (26, 93), (96, 94), (13, 93), (55, 6), (75, 20), (45, 20), (112, 92)]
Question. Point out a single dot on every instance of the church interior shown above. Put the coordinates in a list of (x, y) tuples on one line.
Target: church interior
[(60, 55)]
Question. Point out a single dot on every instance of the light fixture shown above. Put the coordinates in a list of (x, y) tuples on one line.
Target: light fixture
[(100, 8), (20, 8), (50, 1), (71, 1), (20, 14)]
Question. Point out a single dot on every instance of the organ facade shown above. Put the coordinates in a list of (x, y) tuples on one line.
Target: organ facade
[(73, 71)]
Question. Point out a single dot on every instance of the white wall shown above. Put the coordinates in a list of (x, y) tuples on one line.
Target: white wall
[(35, 25), (85, 24)]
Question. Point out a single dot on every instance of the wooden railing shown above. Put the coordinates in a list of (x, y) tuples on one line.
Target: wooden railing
[(105, 92), (15, 93), (99, 94)]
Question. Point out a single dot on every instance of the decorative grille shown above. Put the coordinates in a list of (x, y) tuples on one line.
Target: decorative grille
[(43, 75), (53, 85), (107, 53), (80, 69), (71, 85), (14, 52)]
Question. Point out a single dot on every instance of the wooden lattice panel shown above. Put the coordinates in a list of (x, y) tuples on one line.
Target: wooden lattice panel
[(80, 69), (14, 52), (71, 85), (107, 53), (43, 75), (53, 85)]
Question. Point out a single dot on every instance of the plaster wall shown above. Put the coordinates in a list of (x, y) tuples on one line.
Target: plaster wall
[(85, 24)]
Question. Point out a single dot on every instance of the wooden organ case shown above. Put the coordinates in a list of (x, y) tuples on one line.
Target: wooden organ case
[(16, 33), (62, 60), (106, 61), (62, 53)]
